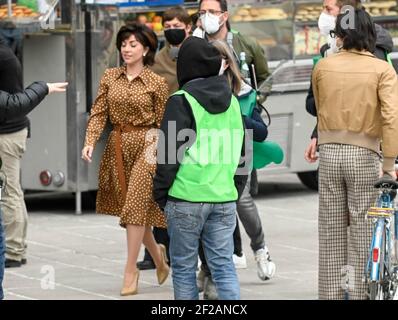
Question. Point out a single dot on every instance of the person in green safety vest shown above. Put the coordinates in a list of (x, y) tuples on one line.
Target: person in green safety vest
[(213, 24), (200, 174), (249, 218)]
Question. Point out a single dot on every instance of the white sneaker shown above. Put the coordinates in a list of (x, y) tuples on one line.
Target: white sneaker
[(265, 267), (240, 262)]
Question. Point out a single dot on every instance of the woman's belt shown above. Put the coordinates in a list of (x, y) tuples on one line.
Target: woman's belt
[(119, 129)]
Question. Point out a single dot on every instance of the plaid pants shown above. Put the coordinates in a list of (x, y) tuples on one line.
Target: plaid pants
[(346, 177)]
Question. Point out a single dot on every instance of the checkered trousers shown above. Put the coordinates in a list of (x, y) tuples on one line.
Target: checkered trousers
[(346, 177)]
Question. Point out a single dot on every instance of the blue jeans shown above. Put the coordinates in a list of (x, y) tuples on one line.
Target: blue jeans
[(2, 257), (213, 224)]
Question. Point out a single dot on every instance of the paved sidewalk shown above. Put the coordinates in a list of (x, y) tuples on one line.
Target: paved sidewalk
[(85, 255)]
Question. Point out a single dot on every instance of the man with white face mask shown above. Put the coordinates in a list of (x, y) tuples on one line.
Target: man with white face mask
[(326, 22), (213, 23)]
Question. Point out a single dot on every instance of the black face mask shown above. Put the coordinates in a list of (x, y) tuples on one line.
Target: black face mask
[(175, 36)]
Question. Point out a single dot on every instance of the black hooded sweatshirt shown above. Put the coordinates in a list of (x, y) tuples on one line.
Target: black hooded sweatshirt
[(214, 94)]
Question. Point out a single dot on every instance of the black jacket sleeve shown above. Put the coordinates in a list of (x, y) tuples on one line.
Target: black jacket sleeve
[(178, 115), (242, 172), (256, 123), (315, 132), (20, 104), (310, 102)]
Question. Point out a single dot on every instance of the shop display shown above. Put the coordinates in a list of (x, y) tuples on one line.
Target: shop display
[(27, 11), (257, 14), (151, 20), (305, 13), (289, 29), (308, 41), (381, 8), (18, 11)]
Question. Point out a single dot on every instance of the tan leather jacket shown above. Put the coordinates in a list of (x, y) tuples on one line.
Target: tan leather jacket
[(356, 96)]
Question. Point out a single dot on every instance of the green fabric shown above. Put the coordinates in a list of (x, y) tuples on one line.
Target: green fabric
[(265, 152), (388, 58), (31, 4), (206, 173), (316, 59), (247, 103)]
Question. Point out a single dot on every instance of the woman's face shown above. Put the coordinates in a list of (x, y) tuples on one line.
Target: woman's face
[(132, 51)]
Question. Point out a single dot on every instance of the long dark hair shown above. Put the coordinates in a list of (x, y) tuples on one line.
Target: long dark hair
[(362, 36)]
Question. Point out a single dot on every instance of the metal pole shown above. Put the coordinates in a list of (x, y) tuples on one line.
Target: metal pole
[(88, 49), (9, 8), (78, 203)]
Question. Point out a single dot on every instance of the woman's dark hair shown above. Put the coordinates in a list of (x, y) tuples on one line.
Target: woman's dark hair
[(361, 35), (143, 35), (177, 12)]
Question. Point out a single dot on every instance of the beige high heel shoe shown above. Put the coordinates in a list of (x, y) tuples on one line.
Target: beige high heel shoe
[(133, 288), (163, 271)]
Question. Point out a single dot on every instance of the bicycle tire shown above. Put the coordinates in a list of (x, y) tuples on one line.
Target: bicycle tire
[(382, 267)]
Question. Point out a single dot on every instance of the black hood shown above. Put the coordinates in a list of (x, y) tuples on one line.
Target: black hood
[(197, 58), (384, 42), (213, 93)]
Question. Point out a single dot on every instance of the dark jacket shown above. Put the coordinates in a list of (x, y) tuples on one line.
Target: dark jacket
[(214, 94), (384, 45), (14, 106), (11, 82), (254, 55), (256, 123)]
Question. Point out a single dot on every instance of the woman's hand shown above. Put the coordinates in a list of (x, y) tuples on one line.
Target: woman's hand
[(57, 87), (87, 153), (310, 152)]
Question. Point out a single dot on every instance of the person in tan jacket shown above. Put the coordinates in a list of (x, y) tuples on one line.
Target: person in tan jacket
[(177, 25), (356, 96)]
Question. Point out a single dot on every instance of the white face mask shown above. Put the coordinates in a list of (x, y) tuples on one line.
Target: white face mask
[(326, 22), (199, 33), (223, 67), (333, 46), (210, 23)]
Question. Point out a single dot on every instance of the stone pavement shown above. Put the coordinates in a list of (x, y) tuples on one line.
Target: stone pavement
[(82, 257)]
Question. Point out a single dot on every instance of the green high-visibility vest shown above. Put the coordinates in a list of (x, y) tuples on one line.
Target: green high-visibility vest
[(207, 170)]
